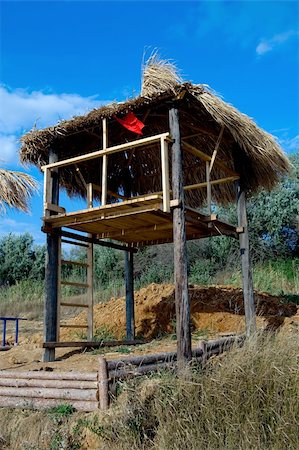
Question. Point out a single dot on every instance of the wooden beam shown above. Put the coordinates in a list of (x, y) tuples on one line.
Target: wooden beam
[(74, 283), (74, 305), (108, 151), (209, 190), (212, 183), (182, 303), (165, 175), (205, 157), (104, 164), (59, 296), (216, 148), (74, 263), (54, 208), (86, 344), (51, 267), (98, 188), (130, 315), (81, 176), (89, 195), (103, 384), (94, 240), (247, 281)]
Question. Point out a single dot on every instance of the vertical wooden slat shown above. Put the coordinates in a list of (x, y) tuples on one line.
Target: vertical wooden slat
[(51, 271), (104, 164), (247, 281), (165, 175), (130, 315), (180, 251), (47, 191), (89, 195), (209, 190)]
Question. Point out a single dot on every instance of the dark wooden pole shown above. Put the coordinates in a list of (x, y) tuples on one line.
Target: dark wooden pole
[(180, 251), (248, 293), (129, 275), (51, 274)]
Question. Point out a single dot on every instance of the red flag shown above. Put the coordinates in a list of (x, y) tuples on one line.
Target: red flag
[(131, 123)]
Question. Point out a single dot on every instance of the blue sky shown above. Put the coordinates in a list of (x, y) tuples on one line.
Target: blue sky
[(62, 58)]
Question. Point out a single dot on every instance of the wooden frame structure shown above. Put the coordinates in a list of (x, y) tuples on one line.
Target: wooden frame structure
[(153, 218)]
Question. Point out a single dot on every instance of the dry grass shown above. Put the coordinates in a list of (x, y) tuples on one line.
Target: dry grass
[(246, 399), (16, 189), (159, 75)]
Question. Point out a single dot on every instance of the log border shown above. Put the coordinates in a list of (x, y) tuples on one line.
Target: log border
[(91, 391)]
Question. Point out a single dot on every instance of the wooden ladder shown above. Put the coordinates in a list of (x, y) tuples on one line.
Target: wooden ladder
[(88, 286)]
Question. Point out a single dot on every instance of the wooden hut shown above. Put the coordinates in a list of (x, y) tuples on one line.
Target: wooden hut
[(195, 151)]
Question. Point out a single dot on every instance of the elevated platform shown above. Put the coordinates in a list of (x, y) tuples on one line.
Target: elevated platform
[(139, 221)]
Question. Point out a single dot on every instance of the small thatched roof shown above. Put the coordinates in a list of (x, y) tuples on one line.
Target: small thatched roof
[(244, 147), (16, 188)]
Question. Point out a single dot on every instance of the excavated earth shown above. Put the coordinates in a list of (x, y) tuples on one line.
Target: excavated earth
[(215, 311)]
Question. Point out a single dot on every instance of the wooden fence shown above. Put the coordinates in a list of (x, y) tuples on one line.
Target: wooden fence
[(89, 391)]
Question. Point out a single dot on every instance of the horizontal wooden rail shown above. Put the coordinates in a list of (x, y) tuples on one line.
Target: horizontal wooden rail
[(93, 344), (74, 263), (49, 375), (41, 383), (65, 325), (107, 151), (212, 183), (74, 305), (199, 154), (74, 283)]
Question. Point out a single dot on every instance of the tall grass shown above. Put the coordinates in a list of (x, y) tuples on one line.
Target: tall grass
[(278, 277), (246, 399), (25, 297)]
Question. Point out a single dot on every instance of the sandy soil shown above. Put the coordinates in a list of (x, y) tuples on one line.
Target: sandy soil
[(215, 310)]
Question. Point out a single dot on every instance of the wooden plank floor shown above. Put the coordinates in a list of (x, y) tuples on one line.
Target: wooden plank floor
[(138, 221)]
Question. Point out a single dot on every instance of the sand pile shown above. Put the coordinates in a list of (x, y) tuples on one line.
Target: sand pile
[(216, 309)]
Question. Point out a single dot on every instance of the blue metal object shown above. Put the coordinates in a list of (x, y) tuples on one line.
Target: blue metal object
[(4, 321)]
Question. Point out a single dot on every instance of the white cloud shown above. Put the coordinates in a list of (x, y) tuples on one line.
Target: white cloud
[(291, 145), (8, 148), (21, 110), (267, 45)]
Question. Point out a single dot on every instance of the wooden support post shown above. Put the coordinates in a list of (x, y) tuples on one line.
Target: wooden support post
[(248, 292), (180, 251), (130, 316), (103, 384), (59, 296), (202, 345), (165, 175), (105, 165), (90, 291), (209, 190), (51, 271)]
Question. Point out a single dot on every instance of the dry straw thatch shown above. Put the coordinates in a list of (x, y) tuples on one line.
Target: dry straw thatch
[(244, 147), (15, 189)]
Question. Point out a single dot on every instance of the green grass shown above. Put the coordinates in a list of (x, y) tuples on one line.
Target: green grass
[(279, 277), (25, 297)]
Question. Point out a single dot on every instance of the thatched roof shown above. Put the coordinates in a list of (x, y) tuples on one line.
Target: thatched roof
[(16, 188), (244, 147)]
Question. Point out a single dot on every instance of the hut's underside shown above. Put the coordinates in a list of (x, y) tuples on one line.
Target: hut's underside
[(139, 221)]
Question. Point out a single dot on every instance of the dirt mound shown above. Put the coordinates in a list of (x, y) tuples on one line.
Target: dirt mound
[(213, 308)]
